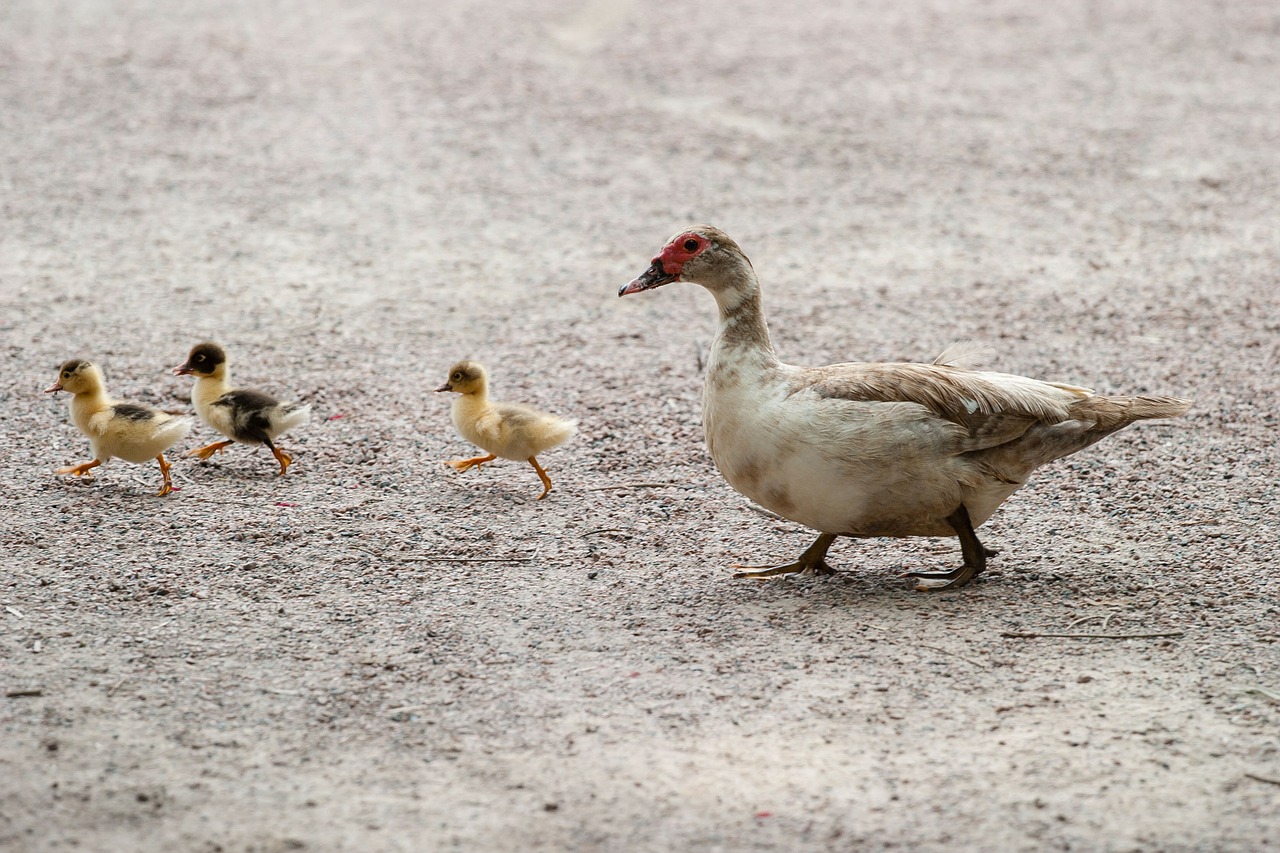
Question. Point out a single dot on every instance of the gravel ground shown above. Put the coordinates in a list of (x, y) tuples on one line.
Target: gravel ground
[(377, 653)]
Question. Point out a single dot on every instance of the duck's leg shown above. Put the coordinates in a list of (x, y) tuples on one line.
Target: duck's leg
[(465, 464), (975, 557), (542, 475), (812, 561), (164, 472), (81, 470), (209, 449), (283, 458)]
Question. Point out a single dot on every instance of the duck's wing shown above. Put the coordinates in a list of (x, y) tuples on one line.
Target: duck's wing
[(991, 408)]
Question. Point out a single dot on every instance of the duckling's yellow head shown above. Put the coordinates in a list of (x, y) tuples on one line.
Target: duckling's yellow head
[(466, 377), (76, 376), (205, 359)]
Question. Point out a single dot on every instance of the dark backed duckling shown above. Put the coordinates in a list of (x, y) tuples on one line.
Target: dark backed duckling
[(243, 415)]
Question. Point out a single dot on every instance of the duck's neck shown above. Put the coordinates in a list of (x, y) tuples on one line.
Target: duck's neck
[(211, 387), (86, 404), (89, 402), (474, 402), (743, 329)]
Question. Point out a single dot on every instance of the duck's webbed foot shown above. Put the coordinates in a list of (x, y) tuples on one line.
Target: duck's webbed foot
[(812, 562), (975, 557)]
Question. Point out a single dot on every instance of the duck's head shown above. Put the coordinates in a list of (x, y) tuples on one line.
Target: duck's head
[(702, 254), (205, 359), (465, 377), (76, 376)]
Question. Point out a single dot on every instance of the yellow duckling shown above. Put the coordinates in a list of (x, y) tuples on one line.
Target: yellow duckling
[(508, 430), (130, 431), (241, 414)]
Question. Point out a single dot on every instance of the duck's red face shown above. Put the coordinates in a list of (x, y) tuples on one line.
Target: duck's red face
[(669, 264)]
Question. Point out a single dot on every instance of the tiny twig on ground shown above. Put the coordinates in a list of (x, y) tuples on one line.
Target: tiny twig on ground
[(1261, 691), (398, 558), (18, 692), (640, 486), (952, 654), (606, 530), (1030, 635), (1266, 779)]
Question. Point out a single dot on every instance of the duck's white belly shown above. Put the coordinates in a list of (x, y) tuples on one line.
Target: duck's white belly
[(838, 466)]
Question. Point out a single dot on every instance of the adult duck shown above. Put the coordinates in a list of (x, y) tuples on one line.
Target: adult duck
[(876, 449)]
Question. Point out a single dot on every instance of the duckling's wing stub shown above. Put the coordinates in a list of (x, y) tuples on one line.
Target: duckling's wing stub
[(246, 399), (133, 411)]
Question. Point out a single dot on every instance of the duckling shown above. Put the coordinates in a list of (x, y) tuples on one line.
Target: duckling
[(508, 430), (241, 414), (132, 431)]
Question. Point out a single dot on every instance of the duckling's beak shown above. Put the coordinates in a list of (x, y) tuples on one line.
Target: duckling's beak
[(654, 276), (445, 387), (54, 388), (183, 370)]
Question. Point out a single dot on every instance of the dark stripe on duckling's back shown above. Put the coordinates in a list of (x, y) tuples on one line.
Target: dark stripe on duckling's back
[(249, 417), (132, 412)]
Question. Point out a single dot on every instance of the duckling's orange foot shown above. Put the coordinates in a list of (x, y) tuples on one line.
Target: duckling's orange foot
[(208, 450), (461, 465), (81, 470), (283, 458), (164, 472), (542, 475)]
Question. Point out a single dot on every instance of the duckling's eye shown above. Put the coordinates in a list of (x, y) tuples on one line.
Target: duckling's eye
[(691, 245), (457, 377), (66, 374)]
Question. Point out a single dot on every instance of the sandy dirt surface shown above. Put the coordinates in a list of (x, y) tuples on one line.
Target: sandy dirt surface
[(377, 653)]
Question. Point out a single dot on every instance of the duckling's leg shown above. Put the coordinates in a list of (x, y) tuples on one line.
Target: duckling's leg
[(542, 475), (975, 557), (81, 470), (164, 471), (283, 458), (812, 561), (209, 449), (465, 464)]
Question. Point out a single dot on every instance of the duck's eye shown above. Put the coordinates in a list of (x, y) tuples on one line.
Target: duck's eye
[(691, 245), (457, 377), (66, 374)]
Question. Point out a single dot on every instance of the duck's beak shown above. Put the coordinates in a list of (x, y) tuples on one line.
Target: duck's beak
[(54, 388), (654, 276), (445, 387), (183, 370)]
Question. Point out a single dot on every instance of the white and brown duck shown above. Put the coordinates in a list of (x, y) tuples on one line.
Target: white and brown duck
[(507, 430), (133, 432), (243, 415), (879, 449)]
